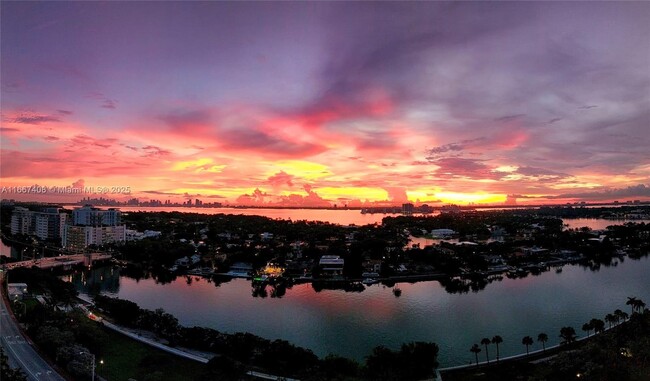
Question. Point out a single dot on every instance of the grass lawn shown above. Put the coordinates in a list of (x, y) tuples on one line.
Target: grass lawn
[(126, 358)]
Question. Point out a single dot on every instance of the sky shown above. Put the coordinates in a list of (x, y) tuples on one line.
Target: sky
[(323, 103)]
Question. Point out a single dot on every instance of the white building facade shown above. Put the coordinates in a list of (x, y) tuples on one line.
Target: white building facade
[(93, 226), (90, 216), (47, 224)]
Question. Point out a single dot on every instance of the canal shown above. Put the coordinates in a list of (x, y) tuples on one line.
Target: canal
[(352, 323)]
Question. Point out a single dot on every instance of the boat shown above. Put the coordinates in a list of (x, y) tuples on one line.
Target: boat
[(369, 281)]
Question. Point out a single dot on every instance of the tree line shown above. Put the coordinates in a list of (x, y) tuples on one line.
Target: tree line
[(568, 334), (235, 352)]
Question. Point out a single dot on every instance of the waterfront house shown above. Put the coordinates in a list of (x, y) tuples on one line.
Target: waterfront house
[(331, 264), (240, 270)]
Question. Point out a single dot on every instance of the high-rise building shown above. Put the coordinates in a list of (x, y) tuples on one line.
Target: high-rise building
[(90, 216), (79, 237), (47, 224), (93, 226), (21, 221)]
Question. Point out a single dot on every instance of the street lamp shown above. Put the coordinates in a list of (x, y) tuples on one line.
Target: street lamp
[(92, 357)]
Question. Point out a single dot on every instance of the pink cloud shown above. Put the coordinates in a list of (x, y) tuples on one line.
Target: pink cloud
[(85, 141), (452, 167), (256, 198), (79, 183), (397, 194), (280, 179), (153, 151)]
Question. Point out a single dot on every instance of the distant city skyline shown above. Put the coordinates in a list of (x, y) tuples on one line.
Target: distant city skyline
[(316, 104)]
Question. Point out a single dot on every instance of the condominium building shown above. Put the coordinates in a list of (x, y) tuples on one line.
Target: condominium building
[(49, 224), (90, 216), (79, 237), (21, 221), (93, 226), (46, 224)]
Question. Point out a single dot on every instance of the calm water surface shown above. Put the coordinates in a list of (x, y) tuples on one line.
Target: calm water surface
[(5, 251), (351, 324), (337, 216), (334, 216), (596, 223)]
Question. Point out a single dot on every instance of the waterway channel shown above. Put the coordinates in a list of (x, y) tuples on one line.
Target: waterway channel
[(352, 323)]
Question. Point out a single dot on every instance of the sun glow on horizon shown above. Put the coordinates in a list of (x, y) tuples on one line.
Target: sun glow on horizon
[(467, 198), (316, 105)]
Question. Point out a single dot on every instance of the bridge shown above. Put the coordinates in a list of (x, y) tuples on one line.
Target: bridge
[(65, 261)]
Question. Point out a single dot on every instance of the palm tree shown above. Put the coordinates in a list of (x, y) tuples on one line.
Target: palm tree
[(587, 327), (632, 301), (542, 338), (610, 319), (568, 334), (640, 306), (598, 325), (476, 350), (619, 315), (527, 341), (497, 340), (485, 341), (624, 316)]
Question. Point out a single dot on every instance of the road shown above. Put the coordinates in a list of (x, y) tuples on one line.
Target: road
[(20, 352), (63, 260), (166, 348)]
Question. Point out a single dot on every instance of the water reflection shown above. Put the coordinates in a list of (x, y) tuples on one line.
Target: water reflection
[(97, 281), (338, 318), (277, 286), (17, 251)]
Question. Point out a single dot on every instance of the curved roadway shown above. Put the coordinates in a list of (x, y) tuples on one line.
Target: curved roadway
[(20, 351)]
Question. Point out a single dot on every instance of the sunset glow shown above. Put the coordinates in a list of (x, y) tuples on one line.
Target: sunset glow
[(317, 104)]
